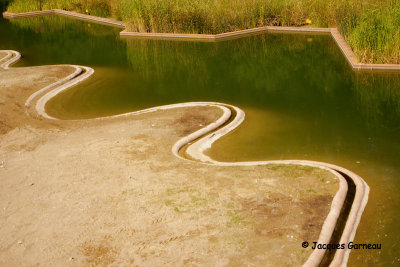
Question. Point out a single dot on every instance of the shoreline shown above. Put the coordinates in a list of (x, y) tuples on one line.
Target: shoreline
[(340, 41), (202, 139)]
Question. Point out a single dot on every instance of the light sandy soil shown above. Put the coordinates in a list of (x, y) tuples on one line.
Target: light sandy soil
[(110, 192)]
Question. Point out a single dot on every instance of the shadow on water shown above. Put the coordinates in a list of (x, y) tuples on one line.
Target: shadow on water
[(341, 223), (3, 5)]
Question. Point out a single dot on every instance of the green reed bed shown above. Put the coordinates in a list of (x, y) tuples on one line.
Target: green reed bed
[(372, 27)]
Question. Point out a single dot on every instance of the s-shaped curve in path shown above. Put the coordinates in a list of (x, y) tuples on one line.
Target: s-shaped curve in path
[(192, 147)]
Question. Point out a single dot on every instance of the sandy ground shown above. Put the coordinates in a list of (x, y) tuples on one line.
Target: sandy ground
[(2, 55), (110, 192)]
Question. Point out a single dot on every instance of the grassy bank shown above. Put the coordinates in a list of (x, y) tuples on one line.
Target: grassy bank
[(372, 27)]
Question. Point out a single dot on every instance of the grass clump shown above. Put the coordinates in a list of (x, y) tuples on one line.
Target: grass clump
[(372, 27), (236, 218), (94, 7), (376, 35)]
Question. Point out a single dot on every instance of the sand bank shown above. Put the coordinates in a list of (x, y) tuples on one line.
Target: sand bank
[(110, 191)]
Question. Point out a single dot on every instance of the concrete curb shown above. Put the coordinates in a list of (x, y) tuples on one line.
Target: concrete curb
[(340, 41), (11, 57), (65, 13), (27, 14), (86, 72), (206, 136), (90, 18), (78, 70), (80, 74), (200, 144)]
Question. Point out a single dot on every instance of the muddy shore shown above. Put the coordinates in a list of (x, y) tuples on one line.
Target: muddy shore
[(111, 192)]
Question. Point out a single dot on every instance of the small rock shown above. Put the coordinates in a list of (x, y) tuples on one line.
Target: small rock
[(32, 184), (357, 162), (20, 242)]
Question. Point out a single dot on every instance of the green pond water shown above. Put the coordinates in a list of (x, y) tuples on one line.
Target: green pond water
[(301, 98)]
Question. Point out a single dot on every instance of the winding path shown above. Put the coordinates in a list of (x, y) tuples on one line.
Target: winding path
[(192, 147)]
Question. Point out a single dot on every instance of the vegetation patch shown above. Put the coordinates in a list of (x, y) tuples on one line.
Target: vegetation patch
[(371, 27)]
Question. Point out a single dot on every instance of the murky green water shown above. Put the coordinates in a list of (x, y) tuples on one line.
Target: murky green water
[(301, 99)]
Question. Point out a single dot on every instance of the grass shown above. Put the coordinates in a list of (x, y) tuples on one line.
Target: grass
[(236, 218), (372, 27)]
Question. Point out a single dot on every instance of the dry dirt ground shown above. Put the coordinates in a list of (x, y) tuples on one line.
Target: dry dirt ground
[(110, 192)]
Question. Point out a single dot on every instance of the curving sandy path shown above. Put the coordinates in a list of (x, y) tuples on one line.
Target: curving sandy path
[(192, 147)]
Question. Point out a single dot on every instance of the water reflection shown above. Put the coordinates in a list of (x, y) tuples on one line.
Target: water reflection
[(301, 98)]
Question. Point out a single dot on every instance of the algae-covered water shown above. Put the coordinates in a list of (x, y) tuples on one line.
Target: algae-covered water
[(301, 98)]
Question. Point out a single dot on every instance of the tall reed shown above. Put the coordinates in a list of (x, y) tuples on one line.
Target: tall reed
[(372, 27)]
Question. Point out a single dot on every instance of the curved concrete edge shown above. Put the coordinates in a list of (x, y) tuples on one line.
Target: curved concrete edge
[(330, 222), (196, 152), (206, 136), (86, 72), (334, 32), (6, 58), (11, 57), (80, 74), (78, 70)]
